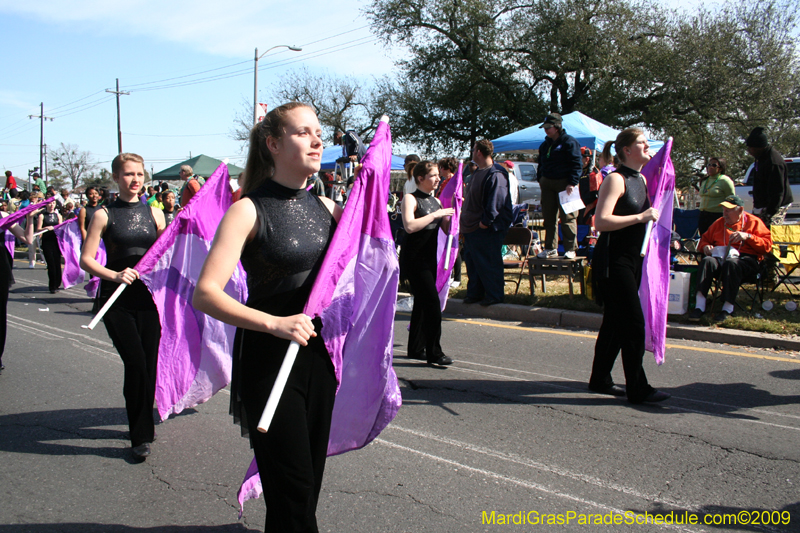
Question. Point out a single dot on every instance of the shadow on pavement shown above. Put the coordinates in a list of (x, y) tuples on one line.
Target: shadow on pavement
[(116, 528)]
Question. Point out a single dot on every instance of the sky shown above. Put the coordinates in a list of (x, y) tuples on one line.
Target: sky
[(187, 65)]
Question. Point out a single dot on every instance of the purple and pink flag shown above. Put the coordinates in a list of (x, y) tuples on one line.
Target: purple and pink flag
[(355, 295), (194, 355), (11, 243), (452, 195), (654, 288), (70, 242), (20, 214)]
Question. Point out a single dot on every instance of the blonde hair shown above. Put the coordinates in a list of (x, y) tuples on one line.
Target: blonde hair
[(260, 165), (121, 159)]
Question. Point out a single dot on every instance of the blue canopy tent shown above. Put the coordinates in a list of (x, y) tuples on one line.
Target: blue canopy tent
[(586, 130), (332, 153)]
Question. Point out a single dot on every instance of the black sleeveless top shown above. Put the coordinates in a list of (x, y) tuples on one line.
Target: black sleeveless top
[(419, 248), (130, 231), (169, 216), (623, 247), (89, 213), (49, 219), (294, 230)]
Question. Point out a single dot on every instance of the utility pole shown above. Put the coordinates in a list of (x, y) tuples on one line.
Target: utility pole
[(119, 128), (41, 137)]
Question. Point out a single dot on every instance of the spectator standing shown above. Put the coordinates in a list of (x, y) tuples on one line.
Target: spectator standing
[(411, 160), (485, 218), (190, 187), (559, 170), (169, 208), (39, 182), (738, 232), (713, 191), (92, 205), (11, 184), (513, 183), (447, 169), (772, 195)]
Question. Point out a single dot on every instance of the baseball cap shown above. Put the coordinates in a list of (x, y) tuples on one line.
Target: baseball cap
[(732, 201), (552, 118)]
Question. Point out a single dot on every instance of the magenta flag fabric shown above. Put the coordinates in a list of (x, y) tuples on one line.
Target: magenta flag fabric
[(11, 243), (654, 288), (16, 216), (194, 356), (70, 242), (355, 295), (451, 196)]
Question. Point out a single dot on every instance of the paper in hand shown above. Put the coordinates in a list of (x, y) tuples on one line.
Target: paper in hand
[(571, 202)]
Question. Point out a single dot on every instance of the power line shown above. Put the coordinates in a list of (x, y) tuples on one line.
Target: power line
[(193, 135)]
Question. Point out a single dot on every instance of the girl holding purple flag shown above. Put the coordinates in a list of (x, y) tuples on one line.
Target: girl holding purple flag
[(128, 229), (280, 232), (422, 217), (623, 210), (7, 276), (52, 254)]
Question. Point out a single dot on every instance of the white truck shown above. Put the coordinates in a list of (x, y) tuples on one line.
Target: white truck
[(744, 189)]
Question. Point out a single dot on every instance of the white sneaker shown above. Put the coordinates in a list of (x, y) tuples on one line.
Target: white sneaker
[(455, 284), (546, 254), (569, 255), (31, 265)]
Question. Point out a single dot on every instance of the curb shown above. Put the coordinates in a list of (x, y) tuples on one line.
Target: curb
[(592, 321)]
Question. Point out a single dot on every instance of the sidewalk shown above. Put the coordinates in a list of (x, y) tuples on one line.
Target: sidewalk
[(592, 321)]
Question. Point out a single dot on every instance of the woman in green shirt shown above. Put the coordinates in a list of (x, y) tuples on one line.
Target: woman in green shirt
[(713, 190)]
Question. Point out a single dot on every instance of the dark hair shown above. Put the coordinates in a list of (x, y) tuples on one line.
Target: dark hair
[(260, 164), (626, 138), (723, 164), (91, 188), (448, 163), (485, 147), (422, 168), (607, 151), (121, 159), (408, 164)]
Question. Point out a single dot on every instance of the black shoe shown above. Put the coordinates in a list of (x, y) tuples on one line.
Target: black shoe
[(141, 451), (722, 316), (696, 315), (487, 303), (443, 360), (471, 300), (653, 397), (612, 390), (417, 356), (2, 368)]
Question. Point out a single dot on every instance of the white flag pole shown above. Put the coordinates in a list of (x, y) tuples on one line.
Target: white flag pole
[(447, 252), (277, 388), (646, 237), (106, 307)]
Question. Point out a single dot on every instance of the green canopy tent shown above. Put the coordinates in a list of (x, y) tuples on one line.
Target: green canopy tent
[(202, 165)]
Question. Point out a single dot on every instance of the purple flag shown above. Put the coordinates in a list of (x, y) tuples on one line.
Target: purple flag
[(11, 243), (194, 356), (452, 195), (15, 217), (70, 242), (355, 295), (654, 288)]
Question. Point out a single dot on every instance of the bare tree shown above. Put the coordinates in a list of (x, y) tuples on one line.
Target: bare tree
[(72, 162)]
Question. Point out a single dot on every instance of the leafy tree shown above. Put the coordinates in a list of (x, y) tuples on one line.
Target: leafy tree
[(55, 179), (101, 178), (72, 162)]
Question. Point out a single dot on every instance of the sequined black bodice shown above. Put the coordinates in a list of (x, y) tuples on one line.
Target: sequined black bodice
[(419, 248), (49, 219), (634, 200), (130, 231), (169, 216), (294, 229)]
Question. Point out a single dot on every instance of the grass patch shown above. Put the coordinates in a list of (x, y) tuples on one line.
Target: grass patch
[(776, 321)]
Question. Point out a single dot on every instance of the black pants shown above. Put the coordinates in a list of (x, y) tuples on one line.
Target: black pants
[(483, 255), (732, 272), (291, 455), (425, 330), (3, 314), (52, 255), (622, 330), (457, 267), (136, 335)]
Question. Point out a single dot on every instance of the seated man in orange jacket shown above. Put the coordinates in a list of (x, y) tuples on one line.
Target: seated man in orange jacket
[(733, 247)]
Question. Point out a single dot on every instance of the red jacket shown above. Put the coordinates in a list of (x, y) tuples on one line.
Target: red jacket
[(759, 244), (11, 183)]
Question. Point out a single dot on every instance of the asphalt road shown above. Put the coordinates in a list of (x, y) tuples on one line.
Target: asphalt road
[(509, 429)]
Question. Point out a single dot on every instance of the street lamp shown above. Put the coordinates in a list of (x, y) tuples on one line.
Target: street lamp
[(255, 76)]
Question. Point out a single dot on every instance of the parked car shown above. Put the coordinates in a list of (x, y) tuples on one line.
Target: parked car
[(529, 190), (744, 190)]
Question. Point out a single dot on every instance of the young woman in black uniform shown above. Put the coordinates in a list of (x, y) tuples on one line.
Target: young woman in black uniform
[(7, 275), (281, 233), (623, 210), (92, 205), (52, 253), (422, 216), (128, 228)]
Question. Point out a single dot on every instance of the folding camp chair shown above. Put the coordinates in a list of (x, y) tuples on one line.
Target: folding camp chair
[(523, 239), (786, 249), (686, 223)]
